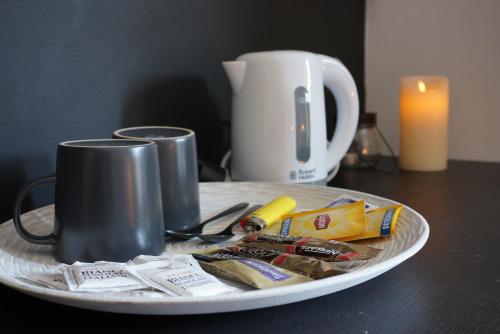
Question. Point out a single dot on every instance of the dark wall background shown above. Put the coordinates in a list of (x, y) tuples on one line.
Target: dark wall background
[(80, 69)]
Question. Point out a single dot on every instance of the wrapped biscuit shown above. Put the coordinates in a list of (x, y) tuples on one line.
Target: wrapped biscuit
[(327, 223), (304, 265), (328, 250), (250, 271), (379, 222)]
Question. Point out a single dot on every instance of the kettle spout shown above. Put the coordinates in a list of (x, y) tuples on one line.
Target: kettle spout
[(235, 71)]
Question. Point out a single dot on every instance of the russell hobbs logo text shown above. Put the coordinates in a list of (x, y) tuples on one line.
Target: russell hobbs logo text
[(307, 174)]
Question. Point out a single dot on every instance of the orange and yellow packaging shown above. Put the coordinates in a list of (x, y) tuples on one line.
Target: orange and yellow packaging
[(327, 223), (379, 222)]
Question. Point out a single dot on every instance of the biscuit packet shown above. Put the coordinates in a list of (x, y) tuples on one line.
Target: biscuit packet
[(326, 223), (328, 250), (250, 271), (304, 265)]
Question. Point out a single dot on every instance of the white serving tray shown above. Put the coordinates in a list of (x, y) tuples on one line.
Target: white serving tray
[(19, 258)]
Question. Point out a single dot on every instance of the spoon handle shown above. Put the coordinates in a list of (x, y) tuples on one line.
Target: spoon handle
[(186, 235), (228, 231), (235, 208)]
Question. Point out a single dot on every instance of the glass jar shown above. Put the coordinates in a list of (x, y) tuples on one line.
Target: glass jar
[(364, 151)]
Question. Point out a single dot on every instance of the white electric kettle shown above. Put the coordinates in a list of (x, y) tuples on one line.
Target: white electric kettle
[(278, 130)]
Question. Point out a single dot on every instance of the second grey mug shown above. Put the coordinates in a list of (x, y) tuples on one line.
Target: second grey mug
[(107, 201), (178, 170)]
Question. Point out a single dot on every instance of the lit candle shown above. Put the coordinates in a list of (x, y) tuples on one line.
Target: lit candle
[(424, 123)]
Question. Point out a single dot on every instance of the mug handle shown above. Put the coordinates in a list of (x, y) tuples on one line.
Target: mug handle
[(49, 239)]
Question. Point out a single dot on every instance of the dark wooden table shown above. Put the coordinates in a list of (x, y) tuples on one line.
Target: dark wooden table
[(451, 285)]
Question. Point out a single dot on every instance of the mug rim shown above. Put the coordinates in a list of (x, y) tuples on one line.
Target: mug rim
[(134, 143), (119, 134)]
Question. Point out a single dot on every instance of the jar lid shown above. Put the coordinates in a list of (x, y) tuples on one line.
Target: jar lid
[(367, 119)]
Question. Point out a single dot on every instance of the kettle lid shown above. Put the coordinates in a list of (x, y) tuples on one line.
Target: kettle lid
[(276, 54)]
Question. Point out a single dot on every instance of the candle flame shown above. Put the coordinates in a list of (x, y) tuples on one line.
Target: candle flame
[(421, 87)]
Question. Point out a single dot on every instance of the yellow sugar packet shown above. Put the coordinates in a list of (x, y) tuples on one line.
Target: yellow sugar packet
[(379, 222), (327, 223)]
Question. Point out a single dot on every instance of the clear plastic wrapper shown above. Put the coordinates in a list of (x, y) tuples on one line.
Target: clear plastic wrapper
[(52, 281)]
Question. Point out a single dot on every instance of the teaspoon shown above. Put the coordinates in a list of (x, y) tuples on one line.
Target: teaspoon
[(186, 235)]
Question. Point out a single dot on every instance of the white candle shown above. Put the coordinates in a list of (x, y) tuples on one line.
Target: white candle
[(424, 123)]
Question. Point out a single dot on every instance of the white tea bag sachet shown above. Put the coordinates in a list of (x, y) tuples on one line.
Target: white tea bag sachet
[(180, 276), (188, 281), (174, 275), (101, 276)]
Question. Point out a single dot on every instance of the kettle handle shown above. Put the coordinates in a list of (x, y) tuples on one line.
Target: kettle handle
[(340, 82)]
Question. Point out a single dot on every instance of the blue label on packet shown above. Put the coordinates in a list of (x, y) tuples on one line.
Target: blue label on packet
[(265, 269), (285, 227), (385, 227)]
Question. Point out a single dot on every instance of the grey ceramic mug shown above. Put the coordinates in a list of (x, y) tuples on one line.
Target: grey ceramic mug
[(178, 169), (107, 201)]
